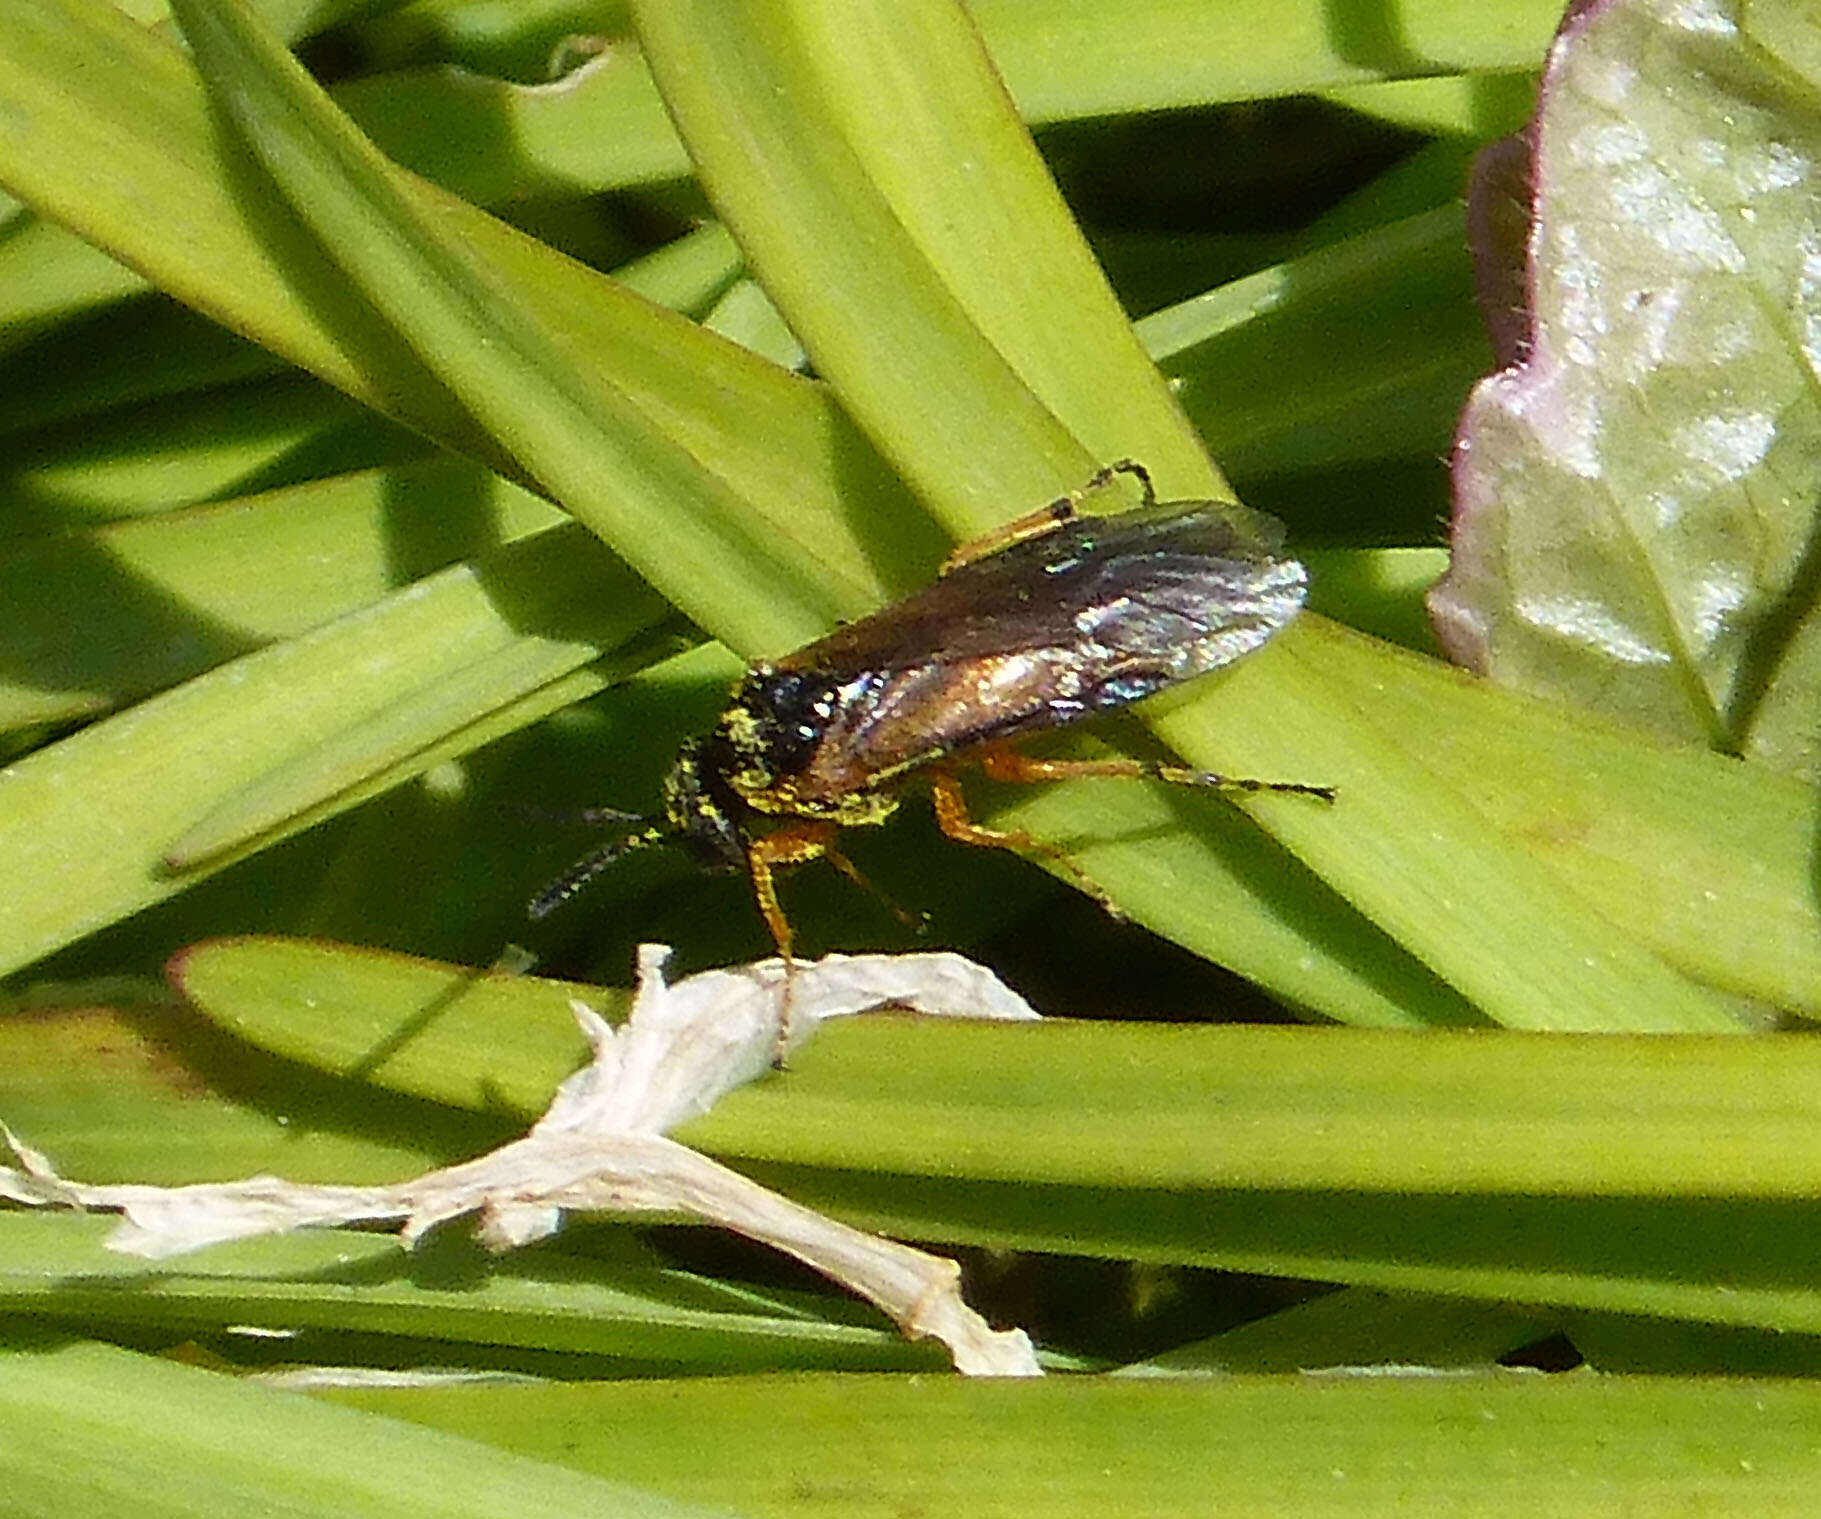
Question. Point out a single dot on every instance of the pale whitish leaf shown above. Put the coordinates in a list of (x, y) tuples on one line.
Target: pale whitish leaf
[(1636, 494)]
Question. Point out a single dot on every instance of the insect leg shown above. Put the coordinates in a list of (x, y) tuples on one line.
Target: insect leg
[(1110, 472), (952, 817), (784, 846), (1046, 519), (916, 922), (1010, 765)]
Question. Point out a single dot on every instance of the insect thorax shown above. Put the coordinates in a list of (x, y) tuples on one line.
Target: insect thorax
[(767, 742)]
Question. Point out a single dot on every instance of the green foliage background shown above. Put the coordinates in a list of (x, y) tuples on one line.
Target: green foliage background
[(254, 586)]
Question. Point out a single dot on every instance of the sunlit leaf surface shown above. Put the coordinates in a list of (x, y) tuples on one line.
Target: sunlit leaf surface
[(1636, 493)]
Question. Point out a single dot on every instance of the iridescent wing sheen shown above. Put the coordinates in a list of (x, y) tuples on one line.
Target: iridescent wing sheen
[(1096, 615), (1174, 572)]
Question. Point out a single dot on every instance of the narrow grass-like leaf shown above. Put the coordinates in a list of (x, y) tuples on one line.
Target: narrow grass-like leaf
[(86, 829), (139, 349), (1424, 181), (133, 351), (157, 601), (50, 276), (575, 134), (746, 315), (1064, 60), (1264, 370), (155, 1097), (1332, 1447), (603, 127), (1709, 862), (1321, 1111), (1476, 105), (498, 1043), (143, 1095), (1364, 1332), (490, 141), (687, 274), (810, 132), (163, 598), (525, 41), (1377, 591), (1493, 919), (185, 450), (102, 92), (378, 744), (585, 439), (55, 1266), (95, 1430), (1506, 1167)]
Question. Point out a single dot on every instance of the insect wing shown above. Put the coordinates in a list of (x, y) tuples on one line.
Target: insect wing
[(1190, 567), (1096, 615)]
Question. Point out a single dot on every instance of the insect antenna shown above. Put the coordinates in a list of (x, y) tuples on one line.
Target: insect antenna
[(589, 817), (595, 861)]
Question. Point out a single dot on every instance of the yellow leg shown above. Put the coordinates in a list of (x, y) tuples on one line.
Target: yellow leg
[(952, 817), (1010, 765), (768, 852), (1046, 519)]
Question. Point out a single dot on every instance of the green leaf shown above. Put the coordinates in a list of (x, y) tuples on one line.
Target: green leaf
[(86, 836), (1257, 366), (1637, 495), (820, 141), (448, 1048), (187, 450), (492, 141), (95, 1430), (438, 1303), (130, 351), (1503, 1167), (102, 92), (1360, 1330), (587, 440), (1478, 104), (1378, 591), (163, 598), (1361, 1446), (143, 1095), (1065, 60), (603, 126), (160, 1100)]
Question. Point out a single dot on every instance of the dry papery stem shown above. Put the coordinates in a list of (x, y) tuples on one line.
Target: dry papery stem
[(601, 1146)]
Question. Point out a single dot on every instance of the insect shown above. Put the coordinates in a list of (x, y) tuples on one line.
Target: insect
[(1046, 621)]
